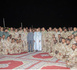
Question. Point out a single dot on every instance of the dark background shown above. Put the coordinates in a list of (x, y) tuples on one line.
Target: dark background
[(38, 13)]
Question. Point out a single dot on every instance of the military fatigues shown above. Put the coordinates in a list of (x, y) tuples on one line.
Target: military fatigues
[(1, 47), (24, 39), (50, 41), (72, 57), (16, 35), (12, 33), (44, 41), (12, 46)]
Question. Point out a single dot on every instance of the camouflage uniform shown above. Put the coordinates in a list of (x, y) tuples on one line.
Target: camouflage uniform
[(44, 35), (1, 47), (72, 57), (12, 33), (24, 39), (12, 46), (50, 41)]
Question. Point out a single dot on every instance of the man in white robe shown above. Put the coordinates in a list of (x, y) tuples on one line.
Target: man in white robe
[(37, 40)]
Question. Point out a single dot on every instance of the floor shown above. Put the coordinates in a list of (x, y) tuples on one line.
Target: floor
[(31, 60)]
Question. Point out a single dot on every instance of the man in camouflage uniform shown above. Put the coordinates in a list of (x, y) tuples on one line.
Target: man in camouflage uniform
[(74, 31), (8, 43), (1, 47), (71, 61), (24, 39), (11, 32), (50, 40), (44, 36), (16, 34), (12, 46)]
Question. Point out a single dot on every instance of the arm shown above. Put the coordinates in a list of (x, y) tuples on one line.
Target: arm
[(27, 37)]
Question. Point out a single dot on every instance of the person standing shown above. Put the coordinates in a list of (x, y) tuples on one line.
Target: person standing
[(24, 39), (30, 40), (1, 31), (6, 33), (37, 40)]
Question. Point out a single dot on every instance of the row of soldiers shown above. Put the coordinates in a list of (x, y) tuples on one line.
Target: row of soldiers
[(12, 42), (60, 43)]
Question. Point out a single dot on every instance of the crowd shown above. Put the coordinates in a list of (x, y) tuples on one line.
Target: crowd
[(58, 42)]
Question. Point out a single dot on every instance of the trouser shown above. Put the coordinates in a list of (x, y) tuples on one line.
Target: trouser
[(25, 46), (30, 44)]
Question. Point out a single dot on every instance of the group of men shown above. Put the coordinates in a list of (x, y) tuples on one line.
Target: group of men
[(58, 42)]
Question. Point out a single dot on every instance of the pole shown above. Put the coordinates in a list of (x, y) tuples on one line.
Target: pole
[(3, 22), (21, 24)]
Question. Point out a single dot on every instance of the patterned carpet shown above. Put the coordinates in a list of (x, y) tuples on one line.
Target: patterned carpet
[(31, 60)]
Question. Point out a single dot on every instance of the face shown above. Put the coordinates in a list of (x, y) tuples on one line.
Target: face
[(59, 36), (50, 28), (12, 40), (75, 29), (55, 41), (76, 38), (72, 36), (56, 30), (30, 30), (69, 37), (53, 35), (6, 30), (54, 38), (65, 30), (43, 29), (67, 42), (60, 40), (3, 36), (2, 29), (20, 28), (8, 38), (11, 29), (63, 40), (17, 41), (16, 30), (24, 29), (47, 29), (37, 30), (60, 29), (73, 46)]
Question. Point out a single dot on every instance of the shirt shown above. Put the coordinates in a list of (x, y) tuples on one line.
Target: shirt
[(30, 36)]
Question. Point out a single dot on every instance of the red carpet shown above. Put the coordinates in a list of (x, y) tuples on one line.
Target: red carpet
[(42, 56), (31, 60), (11, 64), (55, 67)]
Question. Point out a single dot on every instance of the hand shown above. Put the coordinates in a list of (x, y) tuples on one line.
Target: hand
[(34, 40), (39, 40)]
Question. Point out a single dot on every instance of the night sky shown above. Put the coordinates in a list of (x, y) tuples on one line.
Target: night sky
[(38, 13)]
